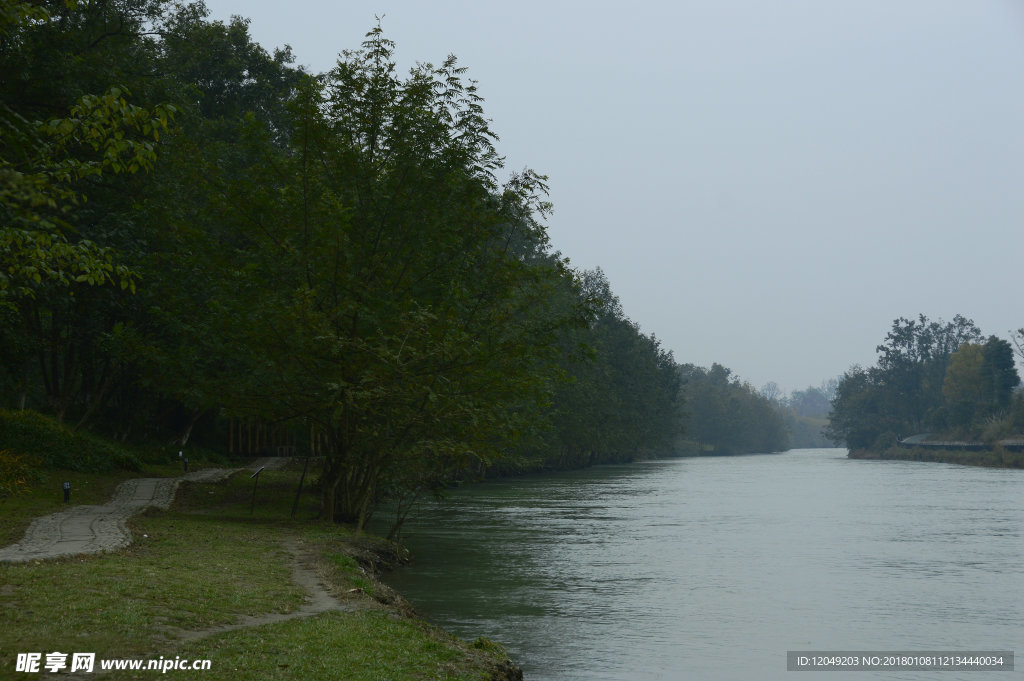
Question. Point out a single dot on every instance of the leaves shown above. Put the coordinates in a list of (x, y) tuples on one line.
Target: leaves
[(930, 376)]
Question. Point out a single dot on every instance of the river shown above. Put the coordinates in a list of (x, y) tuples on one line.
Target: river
[(714, 568)]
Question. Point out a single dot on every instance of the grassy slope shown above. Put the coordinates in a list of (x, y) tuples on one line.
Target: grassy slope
[(204, 563)]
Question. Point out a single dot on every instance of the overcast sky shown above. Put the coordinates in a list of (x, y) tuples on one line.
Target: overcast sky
[(766, 183)]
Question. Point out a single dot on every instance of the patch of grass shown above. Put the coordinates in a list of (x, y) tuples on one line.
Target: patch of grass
[(353, 573), (233, 498), (46, 496), (206, 562), (356, 646), (182, 572), (997, 457), (57, 446)]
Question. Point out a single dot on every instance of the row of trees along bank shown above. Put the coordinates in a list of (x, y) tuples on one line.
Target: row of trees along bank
[(937, 377), (196, 233)]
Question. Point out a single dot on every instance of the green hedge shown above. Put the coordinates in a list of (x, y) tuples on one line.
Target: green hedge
[(41, 438)]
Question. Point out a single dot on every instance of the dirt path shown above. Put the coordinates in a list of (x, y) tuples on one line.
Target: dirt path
[(97, 528), (304, 574)]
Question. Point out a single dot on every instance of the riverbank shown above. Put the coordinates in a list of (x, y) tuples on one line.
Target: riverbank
[(259, 595), (997, 457)]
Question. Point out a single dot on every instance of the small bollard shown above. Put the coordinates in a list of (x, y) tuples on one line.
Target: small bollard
[(67, 491), (256, 475), (298, 492), (186, 464)]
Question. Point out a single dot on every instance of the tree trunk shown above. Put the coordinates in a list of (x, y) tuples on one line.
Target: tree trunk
[(193, 418)]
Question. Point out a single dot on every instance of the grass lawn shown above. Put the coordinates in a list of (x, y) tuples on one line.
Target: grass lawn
[(204, 563)]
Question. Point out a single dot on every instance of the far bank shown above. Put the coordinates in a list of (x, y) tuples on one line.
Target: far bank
[(995, 457)]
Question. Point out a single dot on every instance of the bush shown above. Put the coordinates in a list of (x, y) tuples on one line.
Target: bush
[(48, 444), (885, 441), (16, 472)]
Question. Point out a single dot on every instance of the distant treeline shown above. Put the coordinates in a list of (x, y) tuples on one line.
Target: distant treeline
[(932, 377), (724, 415), (198, 234), (805, 412)]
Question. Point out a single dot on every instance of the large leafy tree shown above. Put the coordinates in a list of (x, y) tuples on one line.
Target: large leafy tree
[(912, 363), (408, 318), (860, 416), (1001, 377), (979, 381)]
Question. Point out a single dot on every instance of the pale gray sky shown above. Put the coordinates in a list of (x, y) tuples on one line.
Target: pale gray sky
[(766, 183)]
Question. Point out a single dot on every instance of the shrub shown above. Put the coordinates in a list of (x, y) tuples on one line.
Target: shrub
[(48, 444), (17, 471)]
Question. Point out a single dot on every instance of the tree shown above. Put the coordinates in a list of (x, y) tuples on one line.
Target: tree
[(728, 415), (771, 391), (931, 376), (181, 339), (620, 401), (828, 388), (51, 242), (964, 387), (913, 361), (409, 318), (810, 402), (861, 417), (1001, 376)]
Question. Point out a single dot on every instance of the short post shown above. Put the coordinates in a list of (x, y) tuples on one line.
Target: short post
[(252, 504), (298, 492), (186, 464), (67, 491)]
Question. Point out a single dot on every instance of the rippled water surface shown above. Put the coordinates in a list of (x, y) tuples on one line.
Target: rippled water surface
[(713, 568)]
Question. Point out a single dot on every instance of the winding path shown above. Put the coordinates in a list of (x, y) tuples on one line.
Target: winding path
[(97, 528), (304, 574)]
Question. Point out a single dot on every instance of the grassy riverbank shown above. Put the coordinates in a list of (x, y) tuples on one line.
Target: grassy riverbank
[(997, 457), (207, 564)]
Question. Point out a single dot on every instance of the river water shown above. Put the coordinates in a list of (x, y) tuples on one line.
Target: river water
[(714, 568)]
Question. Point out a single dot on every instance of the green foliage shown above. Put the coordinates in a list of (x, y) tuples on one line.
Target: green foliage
[(340, 254), (380, 284), (812, 402), (979, 384), (996, 457), (45, 163), (65, 149), (728, 416), (620, 399), (354, 573), (806, 431), (912, 366), (36, 438), (964, 386), (930, 377), (1000, 372), (17, 473), (805, 413)]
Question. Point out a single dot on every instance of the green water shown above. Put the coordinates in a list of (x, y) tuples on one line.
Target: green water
[(713, 568)]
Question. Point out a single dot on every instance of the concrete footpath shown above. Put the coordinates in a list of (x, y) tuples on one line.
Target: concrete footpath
[(92, 529)]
